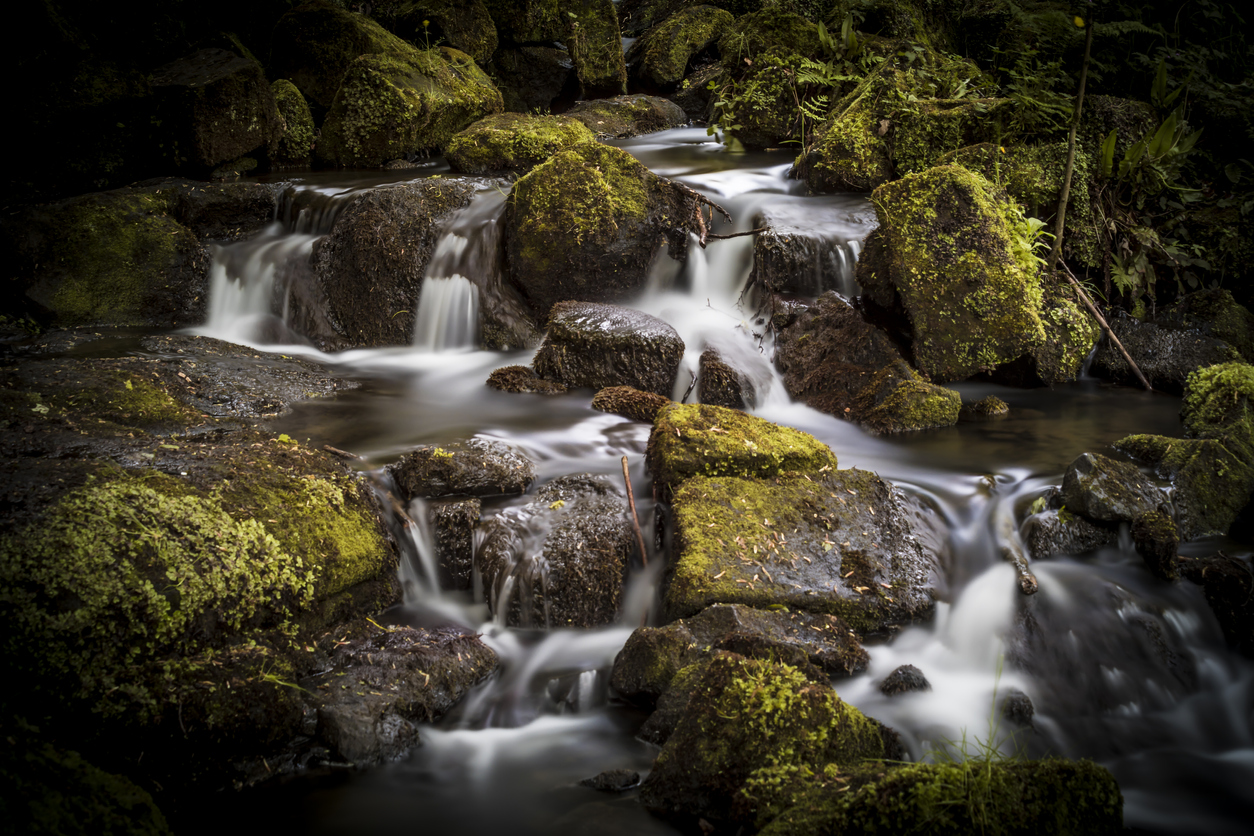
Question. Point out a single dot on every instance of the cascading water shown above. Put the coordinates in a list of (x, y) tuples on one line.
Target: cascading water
[(1120, 667)]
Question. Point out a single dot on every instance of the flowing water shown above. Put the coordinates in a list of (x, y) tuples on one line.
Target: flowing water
[(1121, 668)]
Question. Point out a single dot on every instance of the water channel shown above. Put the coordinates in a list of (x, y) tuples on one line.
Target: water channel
[(1122, 668)]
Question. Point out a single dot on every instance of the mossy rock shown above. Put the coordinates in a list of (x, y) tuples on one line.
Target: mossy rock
[(535, 79), (1157, 540), (314, 44), (1056, 531), (464, 25), (295, 147), (750, 726), (630, 402), (768, 30), (848, 152), (512, 142), (721, 384), (596, 346), (839, 543), (478, 467), (927, 22), (390, 106), (661, 57), (523, 380), (1219, 400), (1071, 332), (1216, 313), (587, 28), (1229, 587), (1010, 797), (627, 116), (705, 440), (586, 224), (1106, 490), (957, 257), (897, 399)]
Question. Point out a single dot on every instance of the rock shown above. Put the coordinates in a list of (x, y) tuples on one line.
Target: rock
[(217, 211), (478, 467), (840, 543), (660, 58), (1070, 334), (990, 407), (587, 28), (379, 686), (597, 345), (522, 379), (904, 679), (694, 94), (897, 399), (627, 116), (751, 725), (630, 402), (535, 79), (368, 271), (1166, 355), (1217, 314), (613, 780), (1017, 707), (652, 656), (294, 147), (314, 44), (1021, 796), (1106, 490), (513, 142), (1057, 531), (214, 106), (808, 249), (576, 577), (965, 276), (700, 440), (454, 523), (1229, 587), (1219, 401), (395, 105), (722, 385), (464, 25), (586, 226), (1157, 541)]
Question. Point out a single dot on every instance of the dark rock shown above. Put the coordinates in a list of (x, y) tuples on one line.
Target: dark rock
[(722, 385), (587, 28), (597, 345), (464, 25), (630, 402), (218, 211), (1216, 313), (214, 106), (294, 149), (535, 79), (1229, 587), (806, 248), (1157, 541), (897, 399), (904, 679), (628, 116), (660, 58), (478, 467), (613, 780), (513, 142), (576, 576), (454, 523), (1017, 707), (694, 95), (1055, 531), (1165, 355), (990, 407), (368, 271), (523, 379), (1106, 490)]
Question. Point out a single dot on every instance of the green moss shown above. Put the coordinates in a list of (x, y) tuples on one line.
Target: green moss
[(295, 147), (1071, 332), (1217, 312), (768, 30), (962, 264), (390, 106), (596, 47), (898, 399), (703, 440), (990, 406), (513, 142), (1219, 400), (626, 116), (849, 153), (665, 50)]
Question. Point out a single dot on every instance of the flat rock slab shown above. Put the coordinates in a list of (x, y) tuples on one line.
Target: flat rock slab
[(478, 467), (596, 345), (840, 543)]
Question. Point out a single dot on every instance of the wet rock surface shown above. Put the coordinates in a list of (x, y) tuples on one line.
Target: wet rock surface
[(477, 467), (660, 58), (454, 523), (1056, 531), (512, 142), (903, 680), (1157, 541), (1105, 490), (560, 560), (595, 345), (1229, 586), (630, 402), (802, 252), (523, 380), (613, 780), (723, 385), (1165, 355), (628, 116)]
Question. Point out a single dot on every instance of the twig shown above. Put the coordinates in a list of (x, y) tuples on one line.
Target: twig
[(1027, 581), (343, 454), (1088, 303), (1066, 178), (691, 386), (635, 521), (714, 237)]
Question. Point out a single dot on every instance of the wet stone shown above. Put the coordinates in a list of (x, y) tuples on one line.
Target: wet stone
[(597, 345), (1106, 490), (723, 385), (1017, 707), (1165, 354), (1055, 531), (523, 380), (1157, 541), (612, 780), (903, 680), (630, 402), (455, 523), (478, 467)]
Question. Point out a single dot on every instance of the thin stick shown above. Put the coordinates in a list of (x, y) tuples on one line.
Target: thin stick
[(712, 237), (1088, 303), (343, 454), (1056, 249), (1027, 581), (635, 521)]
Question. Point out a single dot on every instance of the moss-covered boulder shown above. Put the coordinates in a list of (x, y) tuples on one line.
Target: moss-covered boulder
[(1215, 313), (478, 467), (1010, 797), (627, 116), (573, 573), (1057, 531), (630, 402), (535, 79), (957, 258), (464, 25), (587, 28), (1164, 352), (841, 543), (1102, 489), (703, 440), (1219, 400), (587, 224), (1071, 332), (214, 107), (368, 271), (661, 57), (391, 106), (314, 44), (596, 346), (898, 399), (294, 147), (513, 142), (750, 726)]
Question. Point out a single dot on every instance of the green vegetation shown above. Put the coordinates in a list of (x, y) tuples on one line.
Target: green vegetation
[(513, 142)]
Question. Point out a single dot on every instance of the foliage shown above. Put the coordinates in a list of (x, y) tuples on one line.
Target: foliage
[(1040, 90)]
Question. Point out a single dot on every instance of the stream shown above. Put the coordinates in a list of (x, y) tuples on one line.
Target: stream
[(1122, 668)]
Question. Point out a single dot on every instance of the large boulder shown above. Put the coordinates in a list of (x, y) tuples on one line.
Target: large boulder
[(661, 57), (562, 559), (478, 467), (1106, 490), (464, 25), (628, 116), (393, 106), (513, 142), (587, 28), (1216, 313), (214, 107), (368, 271), (535, 79), (957, 258), (1164, 352), (597, 346), (586, 224), (294, 147), (1071, 332)]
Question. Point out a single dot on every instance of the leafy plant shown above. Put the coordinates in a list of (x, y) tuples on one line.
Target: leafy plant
[(1041, 92)]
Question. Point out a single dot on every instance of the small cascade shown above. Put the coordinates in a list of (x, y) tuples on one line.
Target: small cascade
[(448, 315)]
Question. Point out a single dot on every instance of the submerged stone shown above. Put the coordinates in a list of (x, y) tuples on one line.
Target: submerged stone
[(478, 467), (904, 679), (596, 346)]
